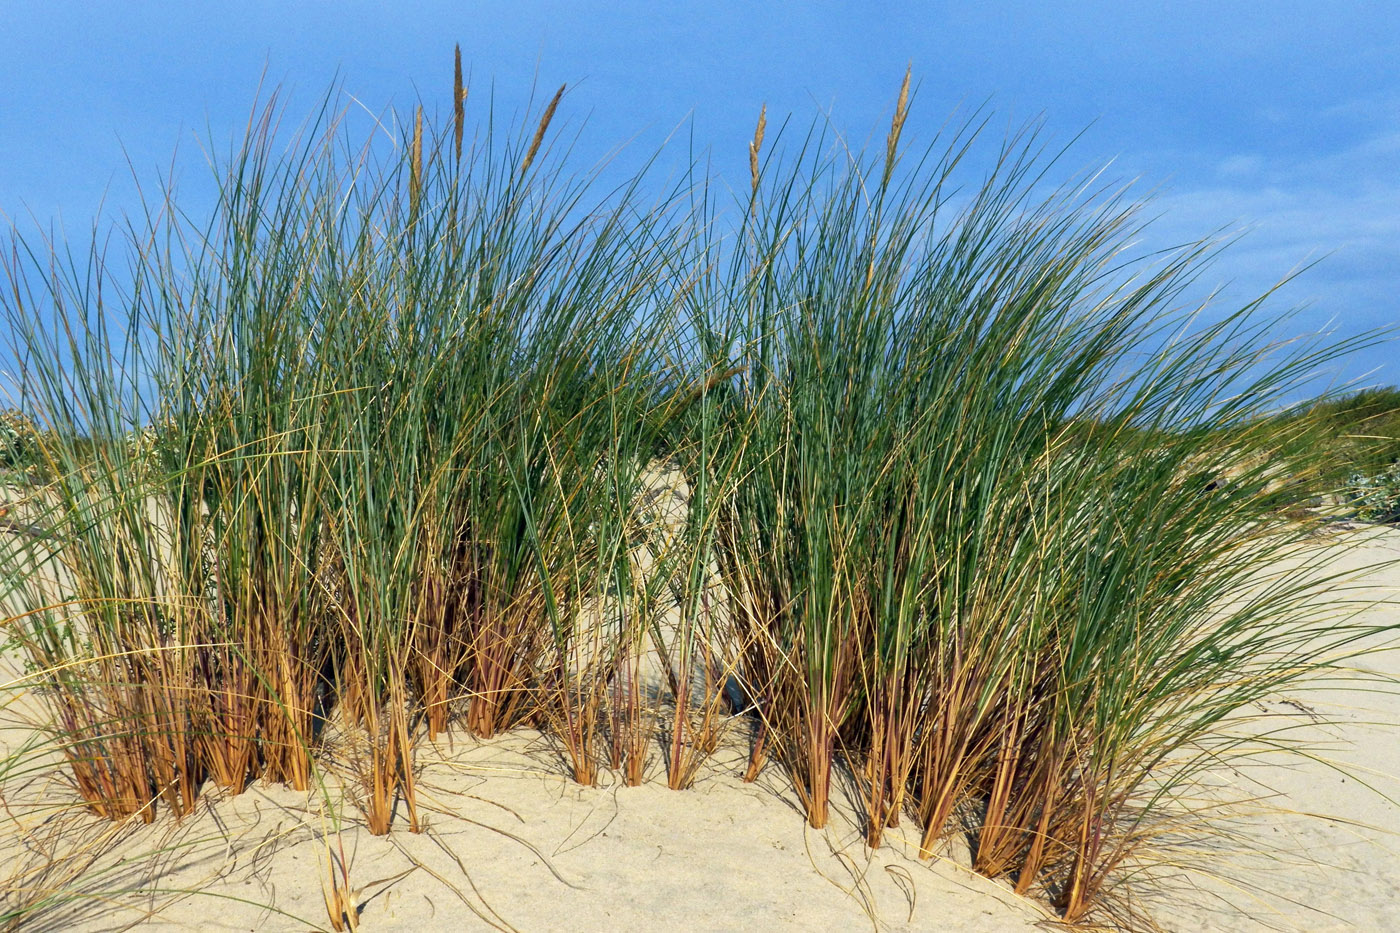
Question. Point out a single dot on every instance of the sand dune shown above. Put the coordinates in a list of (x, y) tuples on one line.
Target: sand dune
[(512, 843)]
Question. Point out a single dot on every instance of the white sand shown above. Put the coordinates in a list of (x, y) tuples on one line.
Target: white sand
[(510, 838), (1319, 852)]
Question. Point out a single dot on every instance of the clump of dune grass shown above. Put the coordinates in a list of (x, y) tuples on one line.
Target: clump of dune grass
[(366, 458), (969, 552), (401, 409)]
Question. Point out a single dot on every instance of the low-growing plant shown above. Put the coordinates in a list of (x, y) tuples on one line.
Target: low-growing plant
[(17, 439), (1376, 498)]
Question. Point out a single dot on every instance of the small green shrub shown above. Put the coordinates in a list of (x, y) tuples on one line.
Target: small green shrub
[(18, 438), (1376, 496)]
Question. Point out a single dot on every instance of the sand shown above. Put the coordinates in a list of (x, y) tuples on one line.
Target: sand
[(511, 843), (1319, 851)]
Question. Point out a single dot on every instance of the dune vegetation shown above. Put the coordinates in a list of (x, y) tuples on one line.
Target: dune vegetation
[(1362, 432), (365, 451)]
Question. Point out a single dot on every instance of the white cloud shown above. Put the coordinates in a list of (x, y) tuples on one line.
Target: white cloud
[(1339, 210), (1239, 166)]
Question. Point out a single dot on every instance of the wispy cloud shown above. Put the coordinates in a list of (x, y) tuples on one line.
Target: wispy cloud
[(1339, 211)]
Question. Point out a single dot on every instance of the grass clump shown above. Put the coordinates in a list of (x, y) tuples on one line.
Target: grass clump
[(401, 412), (373, 455), (969, 558)]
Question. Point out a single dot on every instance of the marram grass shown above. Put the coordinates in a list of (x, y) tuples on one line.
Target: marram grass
[(370, 450)]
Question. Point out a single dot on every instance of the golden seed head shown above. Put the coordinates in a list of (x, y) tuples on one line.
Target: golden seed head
[(757, 144), (901, 112), (459, 100), (415, 167), (539, 133)]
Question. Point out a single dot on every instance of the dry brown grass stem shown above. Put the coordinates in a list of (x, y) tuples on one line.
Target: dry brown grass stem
[(695, 733), (501, 649), (631, 724), (890, 761), (459, 100), (540, 131), (338, 894)]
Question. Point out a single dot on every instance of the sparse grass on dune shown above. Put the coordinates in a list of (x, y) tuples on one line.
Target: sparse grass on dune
[(1365, 428), (370, 453)]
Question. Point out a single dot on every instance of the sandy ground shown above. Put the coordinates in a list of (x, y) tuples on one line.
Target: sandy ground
[(511, 843), (1318, 852)]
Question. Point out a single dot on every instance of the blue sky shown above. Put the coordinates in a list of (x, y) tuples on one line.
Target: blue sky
[(1279, 117)]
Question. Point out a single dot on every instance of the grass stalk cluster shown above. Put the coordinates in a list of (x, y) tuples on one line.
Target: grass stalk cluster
[(375, 450)]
